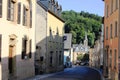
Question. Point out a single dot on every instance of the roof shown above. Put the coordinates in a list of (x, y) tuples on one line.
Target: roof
[(80, 48)]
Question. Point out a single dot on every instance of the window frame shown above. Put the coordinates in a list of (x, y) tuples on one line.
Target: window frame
[(24, 48), (107, 33), (10, 10), (107, 10)]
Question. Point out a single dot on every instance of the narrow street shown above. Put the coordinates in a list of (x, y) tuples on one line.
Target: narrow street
[(75, 73)]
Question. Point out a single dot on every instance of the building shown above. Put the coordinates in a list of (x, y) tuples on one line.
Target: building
[(111, 39), (80, 49), (96, 53), (17, 42), (40, 38), (68, 54), (49, 37)]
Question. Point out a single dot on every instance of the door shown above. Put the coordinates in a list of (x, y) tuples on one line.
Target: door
[(10, 62)]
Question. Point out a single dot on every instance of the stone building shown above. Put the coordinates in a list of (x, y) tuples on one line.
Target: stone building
[(17, 26), (68, 54), (96, 53), (111, 39), (49, 37)]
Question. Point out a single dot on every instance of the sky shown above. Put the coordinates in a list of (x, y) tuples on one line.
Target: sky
[(91, 6)]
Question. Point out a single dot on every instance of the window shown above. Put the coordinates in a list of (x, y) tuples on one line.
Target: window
[(106, 33), (41, 58), (10, 10), (110, 58), (19, 13), (24, 16), (51, 58), (64, 38), (50, 5), (111, 31), (115, 58), (60, 59), (116, 4), (111, 6), (116, 29), (107, 7), (24, 47), (0, 8), (0, 45)]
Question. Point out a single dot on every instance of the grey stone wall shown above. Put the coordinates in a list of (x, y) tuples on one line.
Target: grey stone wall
[(41, 33)]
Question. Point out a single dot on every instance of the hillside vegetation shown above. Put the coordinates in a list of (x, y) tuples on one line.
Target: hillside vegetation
[(78, 23)]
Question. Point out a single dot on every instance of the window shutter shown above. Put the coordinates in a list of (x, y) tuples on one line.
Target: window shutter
[(30, 47), (8, 9), (24, 15), (0, 8), (19, 13), (0, 45), (30, 18)]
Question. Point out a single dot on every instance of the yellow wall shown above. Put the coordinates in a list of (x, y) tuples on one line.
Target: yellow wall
[(54, 23), (56, 44)]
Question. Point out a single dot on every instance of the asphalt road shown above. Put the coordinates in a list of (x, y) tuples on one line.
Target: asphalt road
[(76, 73)]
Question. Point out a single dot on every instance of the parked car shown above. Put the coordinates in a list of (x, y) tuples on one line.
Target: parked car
[(85, 63), (68, 64), (78, 62)]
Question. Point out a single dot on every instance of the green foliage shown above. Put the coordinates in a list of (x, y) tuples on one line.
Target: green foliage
[(80, 57), (85, 57), (79, 23)]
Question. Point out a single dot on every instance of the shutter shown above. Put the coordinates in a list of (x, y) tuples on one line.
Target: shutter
[(0, 8), (30, 47), (19, 13), (30, 18), (8, 11), (0, 45), (24, 14)]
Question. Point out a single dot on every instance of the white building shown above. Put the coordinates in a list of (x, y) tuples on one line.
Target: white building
[(17, 42)]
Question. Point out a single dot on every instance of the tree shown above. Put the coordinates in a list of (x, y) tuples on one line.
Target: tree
[(79, 23)]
